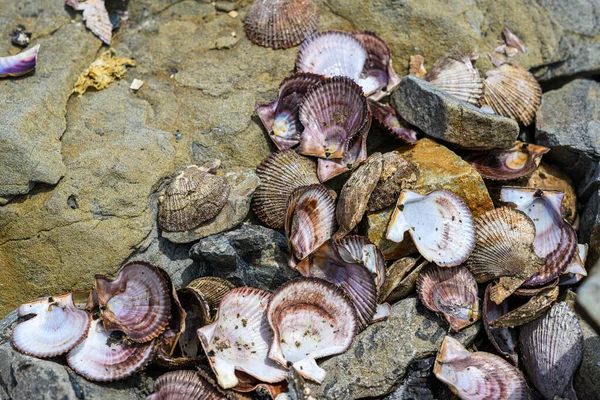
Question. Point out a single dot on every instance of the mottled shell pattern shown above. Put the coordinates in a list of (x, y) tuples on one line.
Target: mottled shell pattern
[(504, 340), (183, 385), (398, 174), (95, 16), (532, 310), (388, 119), (505, 164), (19, 64), (456, 75)]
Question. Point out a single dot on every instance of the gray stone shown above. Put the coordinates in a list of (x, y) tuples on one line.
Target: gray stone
[(444, 117), (586, 382), (420, 383), (251, 255), (589, 228), (381, 354)]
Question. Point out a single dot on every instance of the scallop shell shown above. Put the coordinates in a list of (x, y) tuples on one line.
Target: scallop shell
[(513, 40), (95, 16), (401, 279), (310, 220), (505, 164), (524, 291), (332, 112), (136, 302), (57, 327), (359, 249), (504, 340), (19, 64), (451, 292), (212, 290), (456, 75), (197, 315), (512, 92), (478, 375), (387, 118), (397, 175), (192, 198), (356, 153), (417, 66), (552, 349), (355, 194), (533, 309), (440, 224), (184, 385), (497, 59), (310, 319), (575, 271), (104, 356), (280, 24)]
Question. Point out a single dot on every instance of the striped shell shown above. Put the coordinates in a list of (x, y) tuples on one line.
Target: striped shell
[(456, 75), (355, 154), (576, 270), (19, 64), (504, 340), (359, 249), (397, 175), (505, 164), (212, 289), (388, 119), (95, 16), (532, 310), (184, 385)]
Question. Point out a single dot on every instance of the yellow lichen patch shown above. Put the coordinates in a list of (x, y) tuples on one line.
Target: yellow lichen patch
[(104, 70)]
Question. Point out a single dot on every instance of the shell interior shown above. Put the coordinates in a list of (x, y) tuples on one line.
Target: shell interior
[(505, 164), (513, 40), (456, 75), (19, 64), (197, 314), (417, 66), (212, 289), (355, 154)]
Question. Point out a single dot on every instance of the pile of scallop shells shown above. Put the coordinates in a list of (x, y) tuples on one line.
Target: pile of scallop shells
[(504, 267)]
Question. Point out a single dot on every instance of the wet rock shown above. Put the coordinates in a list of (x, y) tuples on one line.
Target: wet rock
[(586, 381), (442, 116)]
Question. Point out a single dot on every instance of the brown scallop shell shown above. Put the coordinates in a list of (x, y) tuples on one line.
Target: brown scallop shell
[(533, 309), (183, 385), (417, 66), (212, 289), (504, 340), (401, 279), (456, 75), (505, 164), (398, 174), (388, 119)]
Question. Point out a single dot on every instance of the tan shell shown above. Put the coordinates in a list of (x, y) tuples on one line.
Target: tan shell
[(179, 385), (397, 175), (513, 40), (212, 289), (401, 279), (456, 75), (417, 66), (533, 309)]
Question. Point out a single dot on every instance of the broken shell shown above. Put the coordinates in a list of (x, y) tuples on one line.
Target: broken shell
[(513, 40), (136, 302), (57, 327), (104, 356), (451, 292), (197, 314), (524, 291), (511, 51), (95, 16), (310, 319), (504, 340), (310, 220), (440, 224), (212, 290), (417, 66), (193, 197), (552, 349), (400, 279), (478, 375), (533, 309), (360, 250), (183, 385), (505, 164), (575, 271), (19, 64), (332, 112), (356, 153), (387, 118), (497, 59), (512, 92), (456, 75), (397, 175), (280, 174)]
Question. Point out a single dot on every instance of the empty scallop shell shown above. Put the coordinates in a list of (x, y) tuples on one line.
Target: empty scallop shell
[(212, 289), (104, 356), (478, 375), (397, 175), (240, 338), (57, 327), (332, 112), (19, 64), (440, 224), (505, 164), (456, 75), (197, 314), (184, 385), (575, 271), (533, 309), (503, 339), (417, 66), (136, 302), (310, 220), (552, 349), (387, 118), (513, 92), (193, 197), (359, 249), (451, 292), (280, 174), (355, 154), (95, 16), (513, 40), (401, 279), (310, 319)]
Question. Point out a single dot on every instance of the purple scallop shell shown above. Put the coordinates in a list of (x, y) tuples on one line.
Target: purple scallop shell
[(387, 118), (19, 64)]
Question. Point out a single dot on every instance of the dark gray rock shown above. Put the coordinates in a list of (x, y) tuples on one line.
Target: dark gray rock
[(586, 382), (442, 116), (420, 383), (589, 228)]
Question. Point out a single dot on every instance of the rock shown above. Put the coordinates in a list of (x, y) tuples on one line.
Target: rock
[(589, 227), (586, 381), (420, 383), (251, 255), (380, 355), (242, 182), (588, 295)]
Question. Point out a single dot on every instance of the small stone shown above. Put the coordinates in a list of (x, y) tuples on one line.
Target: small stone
[(136, 84), (586, 382), (225, 42), (589, 227), (233, 14), (225, 6)]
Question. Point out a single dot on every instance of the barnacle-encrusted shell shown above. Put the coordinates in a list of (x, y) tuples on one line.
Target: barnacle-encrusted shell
[(552, 348), (212, 289), (387, 118), (95, 16), (310, 319), (356, 153), (503, 339), (136, 302), (57, 327), (193, 197), (478, 375), (533, 309), (105, 356), (184, 385), (397, 175), (513, 40), (19, 64), (456, 75), (439, 222), (197, 314), (512, 92), (280, 174), (400, 279), (417, 66), (452, 292), (505, 164)]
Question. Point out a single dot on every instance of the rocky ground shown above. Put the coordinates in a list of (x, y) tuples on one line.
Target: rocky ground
[(79, 176)]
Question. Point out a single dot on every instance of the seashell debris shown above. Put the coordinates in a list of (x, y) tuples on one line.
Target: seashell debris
[(95, 16), (19, 64)]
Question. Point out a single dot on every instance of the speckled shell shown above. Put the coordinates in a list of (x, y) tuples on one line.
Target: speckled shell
[(513, 40), (197, 314), (193, 197), (280, 174), (417, 66), (19, 64), (212, 289), (310, 319), (505, 164), (552, 349), (57, 327), (355, 154), (388, 119), (184, 385), (456, 75), (512, 92), (397, 175), (504, 340), (136, 302), (400, 279), (533, 309), (280, 24), (95, 16), (451, 292), (478, 375)]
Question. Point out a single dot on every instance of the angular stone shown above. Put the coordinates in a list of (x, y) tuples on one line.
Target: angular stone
[(444, 117), (589, 227), (420, 383), (586, 382)]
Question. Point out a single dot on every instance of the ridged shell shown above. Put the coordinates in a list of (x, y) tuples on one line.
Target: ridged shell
[(355, 194), (533, 309), (105, 356), (513, 40), (440, 224), (504, 340), (359, 249), (184, 385), (552, 349), (355, 154), (512, 92), (212, 290), (280, 24), (387, 118), (19, 64), (417, 66), (57, 327), (576, 270), (197, 314), (332, 112), (524, 291), (310, 221), (95, 16), (505, 164), (193, 197), (136, 302), (398, 174), (310, 319), (400, 279), (451, 292), (280, 174), (456, 75), (478, 375)]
